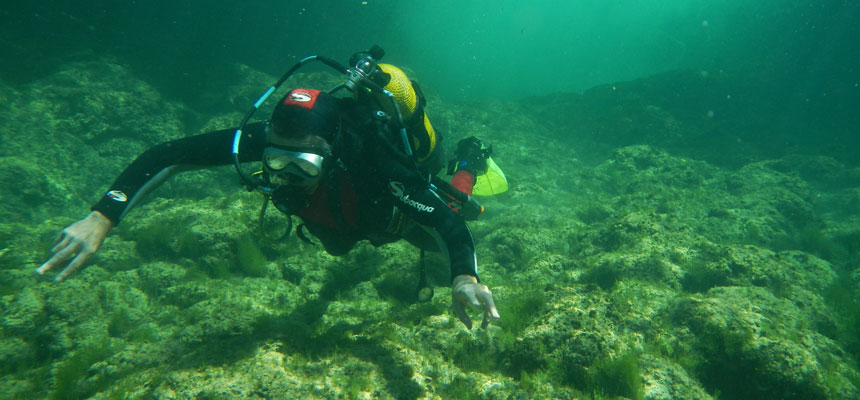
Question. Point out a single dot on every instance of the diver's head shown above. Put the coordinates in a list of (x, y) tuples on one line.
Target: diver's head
[(303, 126)]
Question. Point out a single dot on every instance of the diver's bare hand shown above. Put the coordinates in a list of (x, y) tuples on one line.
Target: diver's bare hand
[(467, 290), (76, 244)]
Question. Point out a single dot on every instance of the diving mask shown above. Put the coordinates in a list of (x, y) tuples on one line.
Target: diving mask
[(287, 167)]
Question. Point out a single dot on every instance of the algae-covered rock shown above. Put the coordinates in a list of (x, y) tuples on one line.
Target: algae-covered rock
[(754, 344), (778, 271), (188, 293), (219, 317), (513, 248), (76, 301), (360, 305), (23, 311), (819, 171), (155, 278), (593, 343), (128, 306), (575, 330), (736, 265), (89, 119), (626, 260), (644, 245), (270, 373), (15, 353), (90, 98), (775, 204), (195, 231), (38, 188), (235, 310), (117, 254), (518, 242), (665, 380)]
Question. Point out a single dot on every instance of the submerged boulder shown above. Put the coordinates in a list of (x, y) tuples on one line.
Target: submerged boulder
[(753, 344)]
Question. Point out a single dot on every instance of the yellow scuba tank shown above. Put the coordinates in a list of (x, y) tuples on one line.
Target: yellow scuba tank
[(411, 102), (423, 137)]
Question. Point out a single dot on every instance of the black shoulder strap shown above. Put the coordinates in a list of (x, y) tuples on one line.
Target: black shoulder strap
[(335, 208)]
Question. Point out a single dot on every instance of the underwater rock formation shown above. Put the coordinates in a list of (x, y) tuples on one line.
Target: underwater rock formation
[(628, 260)]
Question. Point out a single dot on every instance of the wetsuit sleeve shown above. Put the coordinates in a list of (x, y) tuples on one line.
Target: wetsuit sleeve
[(416, 200), (161, 161)]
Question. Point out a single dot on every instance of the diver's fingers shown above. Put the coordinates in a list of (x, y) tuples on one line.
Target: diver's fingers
[(472, 298), (45, 267), (79, 260), (460, 312), (490, 311), (62, 241), (489, 304), (59, 257), (59, 237), (486, 321)]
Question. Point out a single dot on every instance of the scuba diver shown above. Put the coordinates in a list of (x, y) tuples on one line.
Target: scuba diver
[(361, 167)]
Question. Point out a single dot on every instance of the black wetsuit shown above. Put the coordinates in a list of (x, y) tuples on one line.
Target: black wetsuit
[(366, 194)]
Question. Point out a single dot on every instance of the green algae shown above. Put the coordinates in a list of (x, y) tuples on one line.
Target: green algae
[(74, 379), (606, 276), (120, 323), (151, 239), (606, 378), (252, 262), (521, 308), (701, 275), (843, 300), (460, 388), (619, 376)]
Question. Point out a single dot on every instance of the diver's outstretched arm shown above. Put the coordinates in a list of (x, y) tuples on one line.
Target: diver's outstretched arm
[(162, 161), (76, 244)]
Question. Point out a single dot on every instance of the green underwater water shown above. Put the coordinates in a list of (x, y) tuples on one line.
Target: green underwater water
[(683, 219)]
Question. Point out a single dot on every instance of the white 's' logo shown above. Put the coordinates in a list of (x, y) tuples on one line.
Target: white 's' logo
[(301, 97), (397, 189), (117, 195)]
